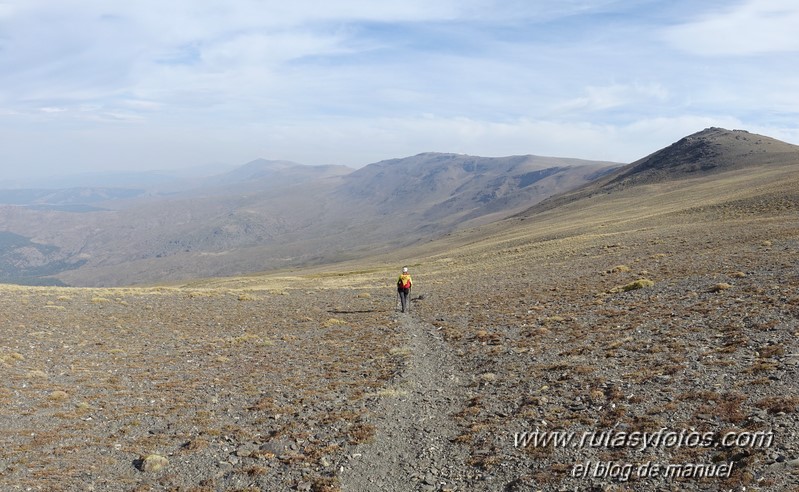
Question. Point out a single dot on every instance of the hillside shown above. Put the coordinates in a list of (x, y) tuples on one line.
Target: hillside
[(276, 214), (705, 153), (712, 150), (656, 322), (456, 188)]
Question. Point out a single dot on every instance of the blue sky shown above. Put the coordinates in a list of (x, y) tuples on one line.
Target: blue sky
[(93, 85)]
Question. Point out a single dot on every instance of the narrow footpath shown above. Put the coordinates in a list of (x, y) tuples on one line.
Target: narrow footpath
[(412, 448)]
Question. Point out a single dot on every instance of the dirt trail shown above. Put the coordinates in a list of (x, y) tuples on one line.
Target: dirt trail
[(412, 448)]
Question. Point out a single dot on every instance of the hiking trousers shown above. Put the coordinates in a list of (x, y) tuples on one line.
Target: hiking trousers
[(403, 294)]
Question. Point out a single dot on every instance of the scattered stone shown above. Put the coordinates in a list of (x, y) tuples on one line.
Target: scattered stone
[(246, 450), (275, 447)]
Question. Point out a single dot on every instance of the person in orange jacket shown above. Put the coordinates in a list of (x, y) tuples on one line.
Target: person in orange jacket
[(404, 284)]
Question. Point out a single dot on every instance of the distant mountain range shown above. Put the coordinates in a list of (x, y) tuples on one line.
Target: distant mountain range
[(265, 215), (268, 215)]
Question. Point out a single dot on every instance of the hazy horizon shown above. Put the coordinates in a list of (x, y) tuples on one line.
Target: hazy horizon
[(88, 87)]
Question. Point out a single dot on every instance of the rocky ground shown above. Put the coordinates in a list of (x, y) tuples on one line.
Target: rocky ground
[(229, 390), (684, 329), (651, 345)]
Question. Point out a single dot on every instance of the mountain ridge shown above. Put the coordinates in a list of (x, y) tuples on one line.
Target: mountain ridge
[(705, 153), (710, 150)]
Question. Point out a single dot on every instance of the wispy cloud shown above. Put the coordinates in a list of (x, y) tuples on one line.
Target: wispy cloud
[(615, 96), (753, 27)]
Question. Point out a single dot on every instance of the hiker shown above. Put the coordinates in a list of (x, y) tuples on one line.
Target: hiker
[(404, 284)]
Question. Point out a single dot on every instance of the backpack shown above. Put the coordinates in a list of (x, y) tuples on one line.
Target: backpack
[(404, 282)]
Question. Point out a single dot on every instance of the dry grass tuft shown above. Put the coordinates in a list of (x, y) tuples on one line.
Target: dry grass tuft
[(153, 463), (722, 286), (771, 351), (729, 407), (779, 404), (58, 395), (8, 359), (325, 484), (401, 351), (641, 283), (361, 433)]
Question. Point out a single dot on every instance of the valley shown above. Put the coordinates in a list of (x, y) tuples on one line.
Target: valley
[(267, 215)]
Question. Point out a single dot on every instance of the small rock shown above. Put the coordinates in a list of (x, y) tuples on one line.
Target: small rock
[(246, 450), (275, 446)]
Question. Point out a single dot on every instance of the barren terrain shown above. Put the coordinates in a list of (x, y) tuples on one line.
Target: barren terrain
[(657, 324)]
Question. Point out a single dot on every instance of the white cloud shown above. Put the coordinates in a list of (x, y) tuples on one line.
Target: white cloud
[(750, 28), (614, 96), (52, 110)]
